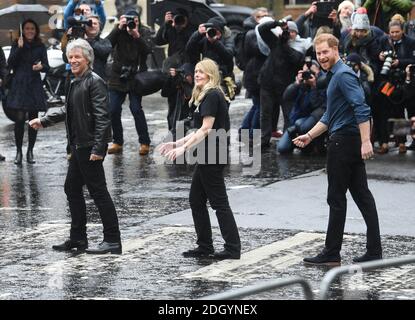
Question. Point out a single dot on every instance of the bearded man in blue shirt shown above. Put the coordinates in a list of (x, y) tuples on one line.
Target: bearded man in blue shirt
[(347, 120)]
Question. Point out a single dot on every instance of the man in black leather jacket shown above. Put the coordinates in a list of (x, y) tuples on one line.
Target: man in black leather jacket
[(88, 127)]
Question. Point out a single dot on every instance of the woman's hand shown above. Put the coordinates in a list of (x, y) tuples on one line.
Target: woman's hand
[(95, 157), (37, 67), (175, 153), (166, 147), (20, 42), (35, 124)]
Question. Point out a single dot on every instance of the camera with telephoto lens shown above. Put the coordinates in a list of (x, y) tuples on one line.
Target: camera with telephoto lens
[(389, 57), (78, 27), (210, 30), (130, 22), (126, 72)]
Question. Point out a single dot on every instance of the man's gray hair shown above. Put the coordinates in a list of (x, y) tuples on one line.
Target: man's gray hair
[(86, 48)]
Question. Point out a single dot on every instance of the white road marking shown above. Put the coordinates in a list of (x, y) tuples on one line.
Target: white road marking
[(229, 268)]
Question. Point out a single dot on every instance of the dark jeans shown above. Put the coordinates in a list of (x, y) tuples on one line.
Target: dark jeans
[(270, 111), (117, 98), (251, 119), (346, 171), (208, 184), (82, 171)]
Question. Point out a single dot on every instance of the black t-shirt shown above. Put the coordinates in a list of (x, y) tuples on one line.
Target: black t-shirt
[(214, 105)]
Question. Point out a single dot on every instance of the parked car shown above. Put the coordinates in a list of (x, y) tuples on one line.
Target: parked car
[(234, 15)]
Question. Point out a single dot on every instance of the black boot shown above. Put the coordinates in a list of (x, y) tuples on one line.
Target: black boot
[(18, 137), (29, 156), (32, 140), (2, 158), (19, 157)]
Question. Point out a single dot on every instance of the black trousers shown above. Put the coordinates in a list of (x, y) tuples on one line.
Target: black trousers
[(346, 171), (82, 171), (269, 113), (208, 184)]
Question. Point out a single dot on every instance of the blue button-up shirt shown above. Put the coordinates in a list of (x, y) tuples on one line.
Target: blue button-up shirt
[(346, 106)]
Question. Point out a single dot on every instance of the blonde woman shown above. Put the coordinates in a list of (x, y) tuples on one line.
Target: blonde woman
[(211, 115)]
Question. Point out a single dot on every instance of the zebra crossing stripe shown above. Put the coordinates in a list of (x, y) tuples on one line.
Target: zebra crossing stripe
[(265, 254)]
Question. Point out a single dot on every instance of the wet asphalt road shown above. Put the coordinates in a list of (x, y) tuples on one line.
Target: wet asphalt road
[(34, 215)]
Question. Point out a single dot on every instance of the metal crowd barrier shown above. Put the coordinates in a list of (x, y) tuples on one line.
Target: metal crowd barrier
[(308, 293), (258, 288), (361, 267)]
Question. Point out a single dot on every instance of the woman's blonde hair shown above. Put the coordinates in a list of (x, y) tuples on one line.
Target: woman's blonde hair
[(211, 69)]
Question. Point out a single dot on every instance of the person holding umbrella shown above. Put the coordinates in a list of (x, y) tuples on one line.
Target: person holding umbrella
[(28, 58)]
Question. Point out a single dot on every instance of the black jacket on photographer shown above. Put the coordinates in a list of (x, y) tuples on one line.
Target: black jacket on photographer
[(128, 52), (102, 49), (255, 61), (220, 51), (177, 40), (404, 49), (282, 64), (86, 114)]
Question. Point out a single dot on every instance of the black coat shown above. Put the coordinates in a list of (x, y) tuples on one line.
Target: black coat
[(3, 64), (405, 50), (26, 89), (102, 49), (283, 62), (176, 40), (128, 52), (255, 62), (221, 51), (90, 111)]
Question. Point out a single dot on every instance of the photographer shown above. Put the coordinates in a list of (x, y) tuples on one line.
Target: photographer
[(398, 51), (363, 41), (283, 61), (308, 104), (214, 40), (179, 87), (131, 44), (176, 32), (83, 11), (312, 19), (364, 73), (102, 47)]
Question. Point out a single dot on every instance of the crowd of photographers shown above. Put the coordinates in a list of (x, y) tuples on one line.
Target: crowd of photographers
[(280, 71)]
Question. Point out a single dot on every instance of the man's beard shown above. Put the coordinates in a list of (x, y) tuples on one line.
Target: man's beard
[(346, 23)]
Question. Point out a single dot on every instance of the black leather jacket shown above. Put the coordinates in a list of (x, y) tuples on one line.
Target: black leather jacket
[(90, 111)]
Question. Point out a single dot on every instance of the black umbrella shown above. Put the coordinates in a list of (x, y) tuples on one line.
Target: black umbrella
[(198, 11), (11, 17)]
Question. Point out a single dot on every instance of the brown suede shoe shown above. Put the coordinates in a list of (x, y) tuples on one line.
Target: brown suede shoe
[(402, 148), (115, 148), (144, 149), (384, 148)]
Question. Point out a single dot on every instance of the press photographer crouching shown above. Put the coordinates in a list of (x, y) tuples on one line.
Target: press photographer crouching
[(131, 44), (179, 85), (398, 52), (307, 98)]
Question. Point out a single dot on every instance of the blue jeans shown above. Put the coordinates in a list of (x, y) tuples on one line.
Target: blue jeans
[(117, 98), (302, 125), (251, 119)]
